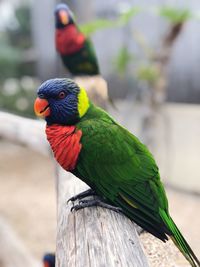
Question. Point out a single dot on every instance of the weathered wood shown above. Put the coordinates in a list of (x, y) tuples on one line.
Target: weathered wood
[(93, 237), (13, 253), (24, 131), (96, 88)]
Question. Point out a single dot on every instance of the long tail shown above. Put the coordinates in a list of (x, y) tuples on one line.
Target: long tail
[(180, 241)]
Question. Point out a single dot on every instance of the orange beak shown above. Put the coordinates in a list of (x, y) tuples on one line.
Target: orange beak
[(64, 18), (41, 107)]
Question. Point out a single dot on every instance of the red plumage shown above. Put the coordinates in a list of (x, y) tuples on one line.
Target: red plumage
[(65, 143), (69, 40)]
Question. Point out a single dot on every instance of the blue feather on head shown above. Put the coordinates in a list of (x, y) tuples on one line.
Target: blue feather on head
[(63, 16), (62, 97), (49, 260), (61, 6)]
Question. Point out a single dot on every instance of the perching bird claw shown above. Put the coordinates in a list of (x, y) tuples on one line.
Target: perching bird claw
[(82, 195), (94, 203)]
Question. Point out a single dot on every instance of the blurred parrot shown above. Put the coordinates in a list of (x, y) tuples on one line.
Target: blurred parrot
[(119, 169), (75, 49), (49, 260)]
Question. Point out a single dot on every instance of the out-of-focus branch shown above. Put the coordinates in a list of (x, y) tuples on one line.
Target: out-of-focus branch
[(13, 253), (24, 131), (161, 60)]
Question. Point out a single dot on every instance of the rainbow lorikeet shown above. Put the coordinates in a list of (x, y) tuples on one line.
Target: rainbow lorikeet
[(49, 260), (87, 142), (75, 49)]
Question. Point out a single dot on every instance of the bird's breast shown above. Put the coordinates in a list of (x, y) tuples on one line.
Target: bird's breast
[(69, 40), (65, 143)]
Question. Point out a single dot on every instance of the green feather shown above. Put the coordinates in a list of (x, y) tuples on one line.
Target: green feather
[(121, 169), (83, 62), (179, 240)]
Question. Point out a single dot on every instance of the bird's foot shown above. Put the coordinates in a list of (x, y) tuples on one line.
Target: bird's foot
[(94, 202), (82, 195)]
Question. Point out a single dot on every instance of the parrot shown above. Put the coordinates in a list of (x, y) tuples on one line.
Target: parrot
[(75, 49), (49, 260), (117, 167)]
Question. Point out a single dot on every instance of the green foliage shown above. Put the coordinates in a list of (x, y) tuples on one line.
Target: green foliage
[(13, 41), (18, 96), (175, 15), (100, 24), (128, 15), (122, 61), (96, 25), (148, 73), (23, 15), (9, 61), (21, 36), (9, 103)]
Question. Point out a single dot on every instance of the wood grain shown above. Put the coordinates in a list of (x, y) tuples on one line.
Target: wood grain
[(97, 89), (24, 131), (93, 237)]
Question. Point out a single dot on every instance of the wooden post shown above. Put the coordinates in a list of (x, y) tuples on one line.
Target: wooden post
[(24, 131), (91, 237), (97, 89)]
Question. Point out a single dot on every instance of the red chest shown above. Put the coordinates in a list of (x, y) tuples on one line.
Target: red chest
[(65, 143), (69, 40)]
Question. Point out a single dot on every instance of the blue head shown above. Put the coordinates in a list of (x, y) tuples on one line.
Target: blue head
[(49, 260), (61, 101), (63, 16)]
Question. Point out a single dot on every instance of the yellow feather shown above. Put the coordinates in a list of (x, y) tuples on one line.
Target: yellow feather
[(128, 201), (83, 102)]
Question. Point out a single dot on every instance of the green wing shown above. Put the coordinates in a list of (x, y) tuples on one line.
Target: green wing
[(83, 62), (121, 169)]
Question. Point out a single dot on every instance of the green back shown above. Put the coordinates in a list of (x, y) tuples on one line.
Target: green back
[(121, 169), (83, 62)]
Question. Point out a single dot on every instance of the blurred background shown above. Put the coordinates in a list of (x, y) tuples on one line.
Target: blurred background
[(148, 52)]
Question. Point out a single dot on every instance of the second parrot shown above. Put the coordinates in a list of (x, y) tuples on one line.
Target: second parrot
[(75, 49)]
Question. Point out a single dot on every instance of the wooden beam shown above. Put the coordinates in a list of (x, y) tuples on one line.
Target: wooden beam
[(97, 89), (93, 237), (24, 131)]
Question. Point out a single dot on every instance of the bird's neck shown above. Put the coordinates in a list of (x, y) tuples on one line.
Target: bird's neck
[(94, 112), (87, 110), (83, 102), (60, 25)]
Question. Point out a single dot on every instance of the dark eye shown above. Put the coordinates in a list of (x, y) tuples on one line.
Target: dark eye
[(61, 95), (41, 95)]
